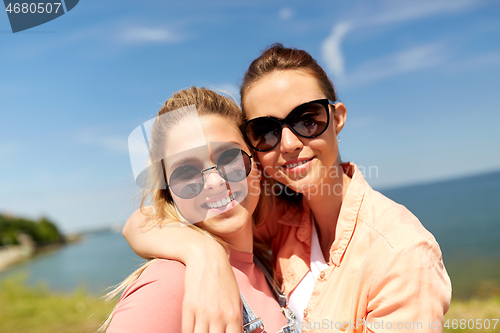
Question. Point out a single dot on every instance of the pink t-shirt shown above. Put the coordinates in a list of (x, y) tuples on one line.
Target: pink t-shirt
[(153, 303)]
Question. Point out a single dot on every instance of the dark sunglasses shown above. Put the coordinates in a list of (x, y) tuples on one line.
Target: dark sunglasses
[(307, 120), (233, 165)]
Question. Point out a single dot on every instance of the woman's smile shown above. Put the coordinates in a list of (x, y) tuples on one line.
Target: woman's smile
[(297, 165)]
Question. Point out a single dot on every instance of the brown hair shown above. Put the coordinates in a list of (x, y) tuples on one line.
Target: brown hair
[(279, 58)]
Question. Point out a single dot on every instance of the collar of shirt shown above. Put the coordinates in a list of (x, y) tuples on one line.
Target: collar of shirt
[(300, 218)]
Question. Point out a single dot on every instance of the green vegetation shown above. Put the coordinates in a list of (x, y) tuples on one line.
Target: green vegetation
[(474, 313), (475, 277), (42, 232), (37, 310), (26, 309)]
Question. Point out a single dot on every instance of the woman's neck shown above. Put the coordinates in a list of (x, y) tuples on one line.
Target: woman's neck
[(247, 248), (242, 240), (325, 206)]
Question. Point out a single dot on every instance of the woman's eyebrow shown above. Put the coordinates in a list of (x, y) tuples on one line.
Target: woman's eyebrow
[(221, 147), (189, 160)]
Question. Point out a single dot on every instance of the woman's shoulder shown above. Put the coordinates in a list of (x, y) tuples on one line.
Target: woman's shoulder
[(161, 276), (153, 302), (161, 267)]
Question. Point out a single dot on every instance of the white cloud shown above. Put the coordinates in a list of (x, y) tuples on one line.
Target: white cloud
[(405, 61), (142, 34), (332, 49), (391, 12), (108, 38), (285, 13), (396, 11)]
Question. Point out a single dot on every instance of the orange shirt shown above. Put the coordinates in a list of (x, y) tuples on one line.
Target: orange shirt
[(385, 272)]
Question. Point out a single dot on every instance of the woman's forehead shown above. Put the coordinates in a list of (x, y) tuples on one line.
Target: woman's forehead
[(199, 131), (203, 139), (278, 93), (221, 129)]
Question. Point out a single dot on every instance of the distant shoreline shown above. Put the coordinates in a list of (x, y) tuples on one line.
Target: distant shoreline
[(11, 255), (27, 249)]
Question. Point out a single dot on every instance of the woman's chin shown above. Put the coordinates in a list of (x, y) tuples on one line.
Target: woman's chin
[(224, 226), (301, 184)]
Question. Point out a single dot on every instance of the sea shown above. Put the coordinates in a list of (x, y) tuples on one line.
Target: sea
[(463, 214)]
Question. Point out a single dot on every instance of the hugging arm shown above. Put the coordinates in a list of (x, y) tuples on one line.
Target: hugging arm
[(212, 300)]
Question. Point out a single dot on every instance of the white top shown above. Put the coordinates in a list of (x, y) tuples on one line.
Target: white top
[(300, 296)]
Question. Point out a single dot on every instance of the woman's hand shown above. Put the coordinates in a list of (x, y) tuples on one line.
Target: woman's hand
[(212, 300)]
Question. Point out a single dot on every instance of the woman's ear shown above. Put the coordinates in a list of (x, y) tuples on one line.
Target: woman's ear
[(339, 114)]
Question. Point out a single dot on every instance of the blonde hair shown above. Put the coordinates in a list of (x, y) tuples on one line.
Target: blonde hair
[(207, 102)]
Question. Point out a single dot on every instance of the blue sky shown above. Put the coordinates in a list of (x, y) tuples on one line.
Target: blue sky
[(419, 79)]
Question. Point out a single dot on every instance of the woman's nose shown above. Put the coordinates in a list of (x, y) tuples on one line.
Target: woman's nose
[(289, 141), (213, 180)]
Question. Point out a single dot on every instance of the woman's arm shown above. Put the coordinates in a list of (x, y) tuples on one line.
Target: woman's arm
[(171, 240), (211, 300), (411, 287)]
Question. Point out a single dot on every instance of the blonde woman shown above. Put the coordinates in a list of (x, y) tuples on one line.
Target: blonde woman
[(203, 173)]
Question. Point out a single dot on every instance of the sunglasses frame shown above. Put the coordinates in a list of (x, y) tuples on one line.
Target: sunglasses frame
[(216, 167), (325, 102)]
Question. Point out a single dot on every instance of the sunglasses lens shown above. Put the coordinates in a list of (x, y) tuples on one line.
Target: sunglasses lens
[(234, 165), (310, 120), (263, 133), (186, 182)]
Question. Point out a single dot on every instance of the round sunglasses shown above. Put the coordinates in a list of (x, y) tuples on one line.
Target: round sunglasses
[(187, 181), (307, 120)]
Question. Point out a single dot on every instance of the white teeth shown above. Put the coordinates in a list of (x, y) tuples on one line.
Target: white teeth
[(220, 203), (293, 165)]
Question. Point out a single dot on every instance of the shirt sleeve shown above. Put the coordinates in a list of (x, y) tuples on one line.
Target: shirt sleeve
[(153, 302), (411, 290)]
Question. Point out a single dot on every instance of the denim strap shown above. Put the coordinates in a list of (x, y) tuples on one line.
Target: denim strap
[(291, 326), (250, 321), (280, 297)]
